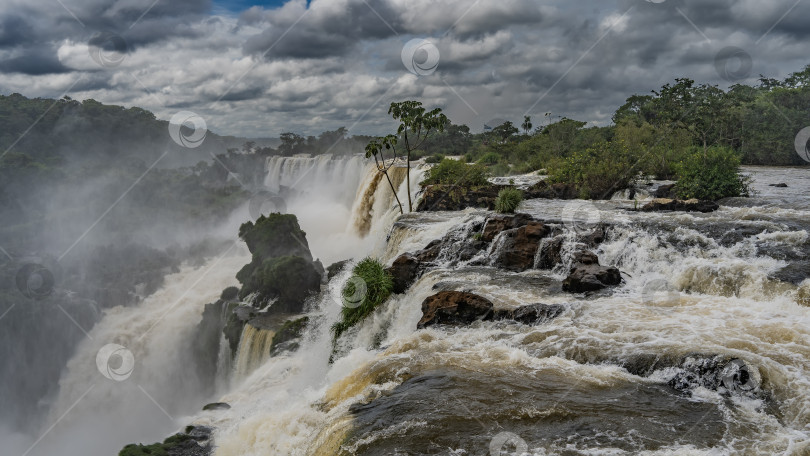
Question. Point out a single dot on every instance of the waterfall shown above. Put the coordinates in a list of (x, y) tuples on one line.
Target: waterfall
[(254, 349), (110, 397)]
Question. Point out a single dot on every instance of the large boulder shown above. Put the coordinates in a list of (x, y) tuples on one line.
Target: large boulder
[(588, 275), (531, 314), (520, 246), (497, 223), (551, 252), (691, 205), (275, 235), (454, 308), (404, 271)]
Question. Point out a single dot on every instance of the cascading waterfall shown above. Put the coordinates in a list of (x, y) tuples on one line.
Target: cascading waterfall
[(102, 404), (560, 387), (254, 349)]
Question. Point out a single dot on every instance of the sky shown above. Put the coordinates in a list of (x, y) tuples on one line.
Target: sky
[(258, 69)]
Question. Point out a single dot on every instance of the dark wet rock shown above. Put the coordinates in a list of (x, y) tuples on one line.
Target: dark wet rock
[(545, 190), (780, 185), (531, 314), (498, 223), (335, 268), (287, 281), (431, 252), (519, 246), (230, 294), (287, 337), (404, 271), (319, 268), (275, 235), (645, 364), (236, 318), (595, 237), (551, 252), (794, 273), (454, 308), (692, 205), (217, 406), (443, 197), (665, 191), (588, 275)]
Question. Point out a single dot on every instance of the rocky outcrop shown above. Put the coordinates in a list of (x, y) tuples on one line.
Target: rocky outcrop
[(454, 308), (335, 268), (587, 275), (531, 314), (691, 205), (216, 406), (545, 190), (497, 223), (519, 246), (779, 185), (205, 345), (443, 197), (404, 271), (194, 441), (550, 252), (287, 337), (281, 270)]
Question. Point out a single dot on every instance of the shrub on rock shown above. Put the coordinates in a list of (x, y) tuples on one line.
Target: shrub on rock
[(508, 200), (369, 286)]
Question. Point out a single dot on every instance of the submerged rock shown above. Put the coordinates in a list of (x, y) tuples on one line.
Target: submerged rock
[(691, 205), (588, 275), (531, 314), (780, 185), (454, 308), (217, 406)]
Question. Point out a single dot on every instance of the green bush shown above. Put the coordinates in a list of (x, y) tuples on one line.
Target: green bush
[(434, 158), (596, 172), (489, 159), (710, 175), (358, 304), (508, 200), (454, 172)]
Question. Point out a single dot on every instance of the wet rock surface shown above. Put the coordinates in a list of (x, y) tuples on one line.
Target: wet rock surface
[(454, 308), (519, 246), (442, 197), (692, 205), (587, 275), (531, 314)]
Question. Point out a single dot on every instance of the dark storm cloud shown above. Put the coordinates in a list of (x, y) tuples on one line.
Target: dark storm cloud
[(33, 61)]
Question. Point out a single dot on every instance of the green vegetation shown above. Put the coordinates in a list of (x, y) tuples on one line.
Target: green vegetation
[(710, 174), (415, 125), (597, 171), (290, 330), (155, 449), (508, 200), (455, 172), (359, 302)]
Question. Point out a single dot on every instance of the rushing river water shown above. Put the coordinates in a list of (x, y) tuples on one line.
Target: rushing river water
[(643, 368), (627, 371)]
